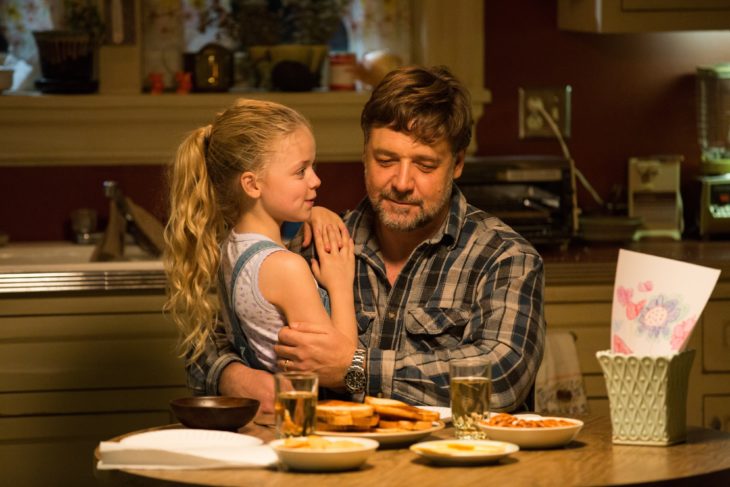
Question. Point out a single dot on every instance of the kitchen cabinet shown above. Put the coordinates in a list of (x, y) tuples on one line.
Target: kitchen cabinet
[(623, 16), (716, 364), (717, 412), (586, 313), (77, 369)]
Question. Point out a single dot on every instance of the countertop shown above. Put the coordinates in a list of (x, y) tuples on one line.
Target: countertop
[(593, 263), (577, 264)]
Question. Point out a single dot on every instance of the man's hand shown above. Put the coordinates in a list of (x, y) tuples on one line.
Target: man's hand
[(240, 381), (321, 217), (315, 348)]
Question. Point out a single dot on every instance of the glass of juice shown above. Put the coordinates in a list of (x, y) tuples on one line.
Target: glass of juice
[(295, 406), (471, 385)]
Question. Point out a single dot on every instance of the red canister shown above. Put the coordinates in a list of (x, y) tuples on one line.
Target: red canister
[(342, 71)]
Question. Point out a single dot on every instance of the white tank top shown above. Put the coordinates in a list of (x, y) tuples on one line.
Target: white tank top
[(259, 319)]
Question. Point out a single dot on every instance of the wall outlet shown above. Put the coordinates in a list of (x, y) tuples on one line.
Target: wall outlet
[(555, 101)]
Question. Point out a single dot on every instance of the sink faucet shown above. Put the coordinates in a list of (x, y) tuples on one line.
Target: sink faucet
[(112, 191)]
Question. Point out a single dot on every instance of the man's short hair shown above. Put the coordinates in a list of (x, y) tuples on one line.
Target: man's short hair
[(427, 103)]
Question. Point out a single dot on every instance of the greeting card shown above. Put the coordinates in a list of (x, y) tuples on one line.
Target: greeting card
[(656, 303)]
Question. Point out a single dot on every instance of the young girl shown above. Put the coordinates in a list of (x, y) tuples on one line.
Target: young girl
[(232, 185)]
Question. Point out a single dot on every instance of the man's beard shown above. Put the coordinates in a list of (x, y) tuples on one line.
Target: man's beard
[(401, 220)]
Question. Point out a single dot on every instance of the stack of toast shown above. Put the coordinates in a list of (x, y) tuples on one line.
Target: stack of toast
[(375, 415)]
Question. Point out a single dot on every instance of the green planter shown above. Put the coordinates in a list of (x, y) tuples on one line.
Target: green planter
[(288, 67), (68, 62)]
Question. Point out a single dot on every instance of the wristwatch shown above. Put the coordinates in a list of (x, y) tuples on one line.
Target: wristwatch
[(355, 378)]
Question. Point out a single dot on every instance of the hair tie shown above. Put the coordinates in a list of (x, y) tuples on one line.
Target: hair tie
[(206, 137)]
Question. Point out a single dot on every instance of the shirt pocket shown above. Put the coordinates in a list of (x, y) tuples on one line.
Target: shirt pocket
[(365, 321), (434, 321)]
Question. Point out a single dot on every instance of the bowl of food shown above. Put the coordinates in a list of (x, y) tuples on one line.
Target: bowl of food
[(316, 453), (214, 412), (531, 430)]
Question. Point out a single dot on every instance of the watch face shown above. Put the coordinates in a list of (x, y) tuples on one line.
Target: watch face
[(355, 380)]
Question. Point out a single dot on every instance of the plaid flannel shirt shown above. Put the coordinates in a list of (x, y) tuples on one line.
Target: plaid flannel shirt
[(473, 289)]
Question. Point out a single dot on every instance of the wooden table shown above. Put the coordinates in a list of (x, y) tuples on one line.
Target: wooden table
[(590, 460)]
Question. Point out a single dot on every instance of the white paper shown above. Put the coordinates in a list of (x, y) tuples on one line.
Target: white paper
[(657, 303), (185, 449)]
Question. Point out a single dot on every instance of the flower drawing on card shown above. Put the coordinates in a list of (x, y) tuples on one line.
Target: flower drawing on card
[(645, 286), (656, 317), (619, 346), (657, 303), (633, 309), (681, 333)]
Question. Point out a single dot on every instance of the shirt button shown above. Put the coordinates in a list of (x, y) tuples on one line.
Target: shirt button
[(391, 315)]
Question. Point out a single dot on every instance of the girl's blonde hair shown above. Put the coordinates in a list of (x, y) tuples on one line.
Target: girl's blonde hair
[(206, 201)]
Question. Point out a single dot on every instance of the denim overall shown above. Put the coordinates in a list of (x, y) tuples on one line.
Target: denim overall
[(229, 303)]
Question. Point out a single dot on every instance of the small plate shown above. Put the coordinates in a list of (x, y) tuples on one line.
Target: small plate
[(464, 452), (395, 438), (329, 460), (546, 437), (444, 413)]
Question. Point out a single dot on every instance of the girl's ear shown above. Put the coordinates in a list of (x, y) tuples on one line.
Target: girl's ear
[(250, 185)]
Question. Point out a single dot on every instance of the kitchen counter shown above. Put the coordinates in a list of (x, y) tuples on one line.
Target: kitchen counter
[(595, 263), (55, 267), (65, 267)]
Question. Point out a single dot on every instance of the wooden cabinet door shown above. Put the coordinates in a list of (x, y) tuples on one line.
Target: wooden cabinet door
[(619, 16)]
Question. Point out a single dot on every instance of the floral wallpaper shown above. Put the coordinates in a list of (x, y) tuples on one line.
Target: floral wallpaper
[(173, 27), (19, 18), (380, 25), (162, 36)]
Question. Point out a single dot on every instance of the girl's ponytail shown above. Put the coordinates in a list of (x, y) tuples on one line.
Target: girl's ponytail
[(193, 234)]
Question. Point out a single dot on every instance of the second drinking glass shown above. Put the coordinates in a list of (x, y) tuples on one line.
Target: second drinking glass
[(471, 385), (295, 405)]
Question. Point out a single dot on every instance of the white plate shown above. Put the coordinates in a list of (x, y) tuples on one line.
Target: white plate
[(395, 438), (185, 448), (194, 439), (326, 460), (472, 452), (535, 437), (444, 413)]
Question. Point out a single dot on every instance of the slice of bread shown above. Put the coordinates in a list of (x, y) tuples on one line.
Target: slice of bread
[(403, 425), (393, 409), (350, 427), (337, 413)]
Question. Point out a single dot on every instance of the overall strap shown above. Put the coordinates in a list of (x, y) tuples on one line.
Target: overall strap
[(229, 302)]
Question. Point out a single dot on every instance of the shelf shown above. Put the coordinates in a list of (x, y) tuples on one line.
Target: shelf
[(142, 129), (146, 129)]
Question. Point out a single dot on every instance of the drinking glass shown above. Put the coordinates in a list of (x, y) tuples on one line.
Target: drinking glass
[(471, 385), (295, 407), (83, 224)]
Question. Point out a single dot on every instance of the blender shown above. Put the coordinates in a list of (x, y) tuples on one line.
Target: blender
[(713, 119)]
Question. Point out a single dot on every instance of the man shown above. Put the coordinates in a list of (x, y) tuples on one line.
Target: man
[(436, 279)]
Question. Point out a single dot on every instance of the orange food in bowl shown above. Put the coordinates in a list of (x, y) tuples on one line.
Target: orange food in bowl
[(314, 442), (505, 420)]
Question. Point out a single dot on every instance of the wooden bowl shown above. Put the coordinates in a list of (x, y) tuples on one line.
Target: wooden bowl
[(214, 412)]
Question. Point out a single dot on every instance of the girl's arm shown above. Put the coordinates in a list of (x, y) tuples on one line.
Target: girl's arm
[(286, 281)]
